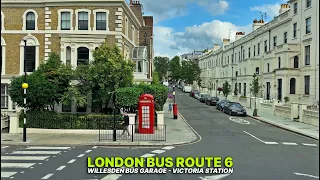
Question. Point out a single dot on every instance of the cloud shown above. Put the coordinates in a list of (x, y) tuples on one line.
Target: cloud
[(166, 9), (195, 37), (271, 10)]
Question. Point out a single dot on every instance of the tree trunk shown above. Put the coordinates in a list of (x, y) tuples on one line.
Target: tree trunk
[(255, 111)]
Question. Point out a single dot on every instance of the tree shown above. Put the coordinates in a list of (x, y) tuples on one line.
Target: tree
[(107, 72), (155, 77), (190, 71), (175, 68), (226, 89), (236, 89), (161, 65), (255, 89)]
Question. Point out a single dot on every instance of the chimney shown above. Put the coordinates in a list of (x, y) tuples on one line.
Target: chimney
[(284, 8), (136, 8), (257, 23), (225, 42), (239, 35), (216, 47)]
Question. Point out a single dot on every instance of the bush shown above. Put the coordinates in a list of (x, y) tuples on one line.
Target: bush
[(128, 98), (158, 91), (53, 120)]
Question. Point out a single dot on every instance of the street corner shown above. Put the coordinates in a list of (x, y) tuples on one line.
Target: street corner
[(195, 136)]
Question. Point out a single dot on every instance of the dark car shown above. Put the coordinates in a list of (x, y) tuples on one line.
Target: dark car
[(221, 104), (203, 97), (234, 108), (212, 101)]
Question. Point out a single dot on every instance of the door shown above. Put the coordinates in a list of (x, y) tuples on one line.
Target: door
[(279, 89), (244, 89), (268, 90)]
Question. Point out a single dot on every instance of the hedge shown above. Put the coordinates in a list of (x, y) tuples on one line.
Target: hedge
[(53, 120)]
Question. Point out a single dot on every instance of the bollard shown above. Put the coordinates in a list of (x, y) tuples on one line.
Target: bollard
[(175, 111)]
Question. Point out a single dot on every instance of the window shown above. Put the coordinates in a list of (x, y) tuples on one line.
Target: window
[(295, 8), (307, 85), (257, 70), (133, 35), (67, 107), (232, 58), (228, 60), (65, 21), (249, 52), (239, 55), (292, 86), (4, 96), (268, 67), (239, 88), (236, 73), (101, 21), (308, 3), (307, 55), (2, 21), (83, 56), (265, 46), (254, 50), (285, 37), (127, 26), (235, 56), (243, 54), (308, 25), (294, 30), (279, 62), (30, 58), (138, 66), (83, 21), (30, 21), (68, 55), (258, 48), (296, 62), (274, 41)]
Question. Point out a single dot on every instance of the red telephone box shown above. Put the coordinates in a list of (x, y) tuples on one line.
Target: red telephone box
[(146, 114)]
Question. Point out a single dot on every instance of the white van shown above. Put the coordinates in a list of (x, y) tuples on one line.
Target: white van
[(187, 89)]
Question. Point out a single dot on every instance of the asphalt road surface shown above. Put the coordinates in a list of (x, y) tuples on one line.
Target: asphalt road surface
[(259, 152)]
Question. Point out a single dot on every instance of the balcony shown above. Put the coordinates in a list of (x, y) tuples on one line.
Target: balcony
[(140, 57)]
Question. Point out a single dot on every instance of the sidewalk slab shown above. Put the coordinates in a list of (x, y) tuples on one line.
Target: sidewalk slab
[(178, 132), (266, 115)]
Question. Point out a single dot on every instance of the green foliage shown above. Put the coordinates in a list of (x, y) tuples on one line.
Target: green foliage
[(286, 99), (40, 93), (226, 89), (161, 65), (159, 92), (236, 89), (107, 72), (175, 68), (255, 88), (128, 97), (190, 71), (53, 120), (155, 78)]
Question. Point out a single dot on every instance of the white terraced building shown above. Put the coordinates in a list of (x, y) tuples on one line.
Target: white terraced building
[(283, 53)]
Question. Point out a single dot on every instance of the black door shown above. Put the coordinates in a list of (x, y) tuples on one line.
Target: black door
[(268, 90), (279, 89), (244, 89)]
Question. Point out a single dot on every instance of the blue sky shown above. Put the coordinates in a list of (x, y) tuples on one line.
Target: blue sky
[(184, 25)]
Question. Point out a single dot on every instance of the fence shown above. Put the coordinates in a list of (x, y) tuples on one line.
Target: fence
[(158, 135)]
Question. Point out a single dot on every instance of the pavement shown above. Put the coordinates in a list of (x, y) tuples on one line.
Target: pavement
[(260, 151)]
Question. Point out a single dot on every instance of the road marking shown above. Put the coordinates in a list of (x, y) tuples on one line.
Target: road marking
[(94, 147), (112, 177), (7, 174), (36, 152), (239, 120), (158, 151), (88, 151), (17, 165), (168, 147), (253, 136), (81, 155), (270, 142), (3, 147), (147, 155), (72, 161), (40, 158), (60, 168), (214, 177), (45, 147), (289, 143), (47, 176), (308, 175), (309, 144)]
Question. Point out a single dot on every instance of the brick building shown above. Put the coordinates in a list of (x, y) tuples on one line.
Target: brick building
[(74, 29)]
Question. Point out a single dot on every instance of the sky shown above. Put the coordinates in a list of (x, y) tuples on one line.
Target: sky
[(181, 26)]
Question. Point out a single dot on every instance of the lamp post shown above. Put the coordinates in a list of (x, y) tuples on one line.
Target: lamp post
[(232, 78), (217, 87), (25, 87), (114, 117)]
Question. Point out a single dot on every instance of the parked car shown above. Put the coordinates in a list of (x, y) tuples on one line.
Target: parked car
[(197, 95), (187, 89), (193, 92), (234, 108), (212, 101), (221, 104), (203, 97)]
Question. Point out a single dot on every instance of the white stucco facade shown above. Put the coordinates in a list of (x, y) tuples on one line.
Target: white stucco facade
[(287, 61)]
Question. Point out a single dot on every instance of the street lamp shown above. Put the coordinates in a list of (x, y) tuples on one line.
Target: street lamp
[(232, 78), (217, 87), (25, 87), (114, 107)]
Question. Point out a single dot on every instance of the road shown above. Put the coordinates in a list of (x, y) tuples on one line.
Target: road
[(259, 151)]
